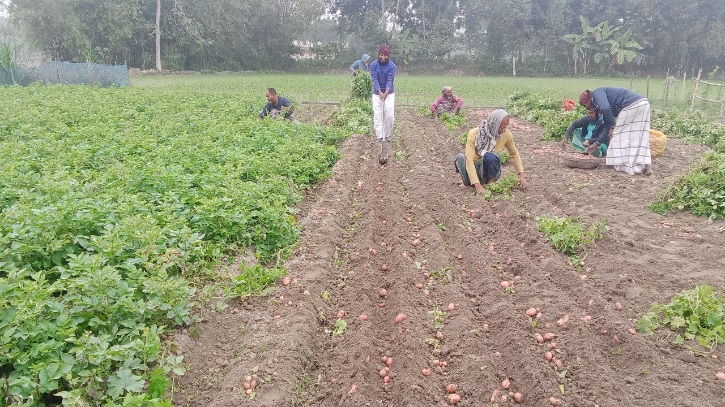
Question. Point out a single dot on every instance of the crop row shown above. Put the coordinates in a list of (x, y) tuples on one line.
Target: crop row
[(112, 200)]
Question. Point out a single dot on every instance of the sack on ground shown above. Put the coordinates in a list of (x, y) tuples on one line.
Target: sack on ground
[(657, 142)]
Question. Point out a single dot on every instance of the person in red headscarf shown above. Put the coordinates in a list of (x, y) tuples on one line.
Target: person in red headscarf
[(628, 138)]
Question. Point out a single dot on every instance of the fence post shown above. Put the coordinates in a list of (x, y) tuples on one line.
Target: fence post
[(647, 96), (684, 81), (667, 88), (694, 92)]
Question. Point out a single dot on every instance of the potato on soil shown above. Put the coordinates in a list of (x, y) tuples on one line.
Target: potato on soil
[(518, 398), (506, 383), (531, 312), (452, 388), (382, 292), (400, 318), (363, 317), (554, 401), (453, 399), (425, 372), (286, 281), (720, 376)]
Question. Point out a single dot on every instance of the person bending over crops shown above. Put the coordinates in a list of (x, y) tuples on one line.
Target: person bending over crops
[(382, 71), (447, 102), (628, 137), (481, 163), (586, 131), (277, 105), (360, 65)]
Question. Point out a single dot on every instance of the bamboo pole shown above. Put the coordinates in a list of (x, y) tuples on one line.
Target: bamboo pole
[(647, 96), (667, 87), (684, 81), (694, 92)]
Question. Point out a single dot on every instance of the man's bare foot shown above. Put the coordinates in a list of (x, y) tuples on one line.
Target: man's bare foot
[(648, 169)]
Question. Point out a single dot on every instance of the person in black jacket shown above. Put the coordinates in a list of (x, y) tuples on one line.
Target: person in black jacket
[(584, 132), (277, 105)]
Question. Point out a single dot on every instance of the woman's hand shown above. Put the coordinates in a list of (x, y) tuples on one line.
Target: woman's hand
[(564, 142), (591, 148), (479, 188), (522, 180)]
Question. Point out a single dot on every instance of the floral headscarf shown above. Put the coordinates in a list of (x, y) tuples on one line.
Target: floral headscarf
[(488, 131)]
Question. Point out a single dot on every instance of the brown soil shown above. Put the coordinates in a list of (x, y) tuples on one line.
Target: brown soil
[(367, 217)]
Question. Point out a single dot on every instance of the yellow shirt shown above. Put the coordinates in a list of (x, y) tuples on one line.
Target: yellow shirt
[(505, 141)]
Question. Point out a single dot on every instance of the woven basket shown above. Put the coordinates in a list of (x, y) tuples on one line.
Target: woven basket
[(657, 143), (582, 161)]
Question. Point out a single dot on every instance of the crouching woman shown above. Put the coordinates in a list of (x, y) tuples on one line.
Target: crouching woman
[(481, 163)]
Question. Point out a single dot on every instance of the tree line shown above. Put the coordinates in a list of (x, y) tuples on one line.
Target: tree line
[(499, 36)]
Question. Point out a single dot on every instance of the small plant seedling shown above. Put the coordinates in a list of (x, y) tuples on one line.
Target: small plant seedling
[(438, 316), (510, 290), (433, 343), (195, 332), (339, 328), (444, 275), (442, 226)]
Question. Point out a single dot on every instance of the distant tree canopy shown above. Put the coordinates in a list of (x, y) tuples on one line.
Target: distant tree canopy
[(209, 34), (557, 36)]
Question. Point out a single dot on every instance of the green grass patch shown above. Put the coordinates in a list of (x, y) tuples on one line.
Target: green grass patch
[(413, 90), (693, 127), (568, 235), (696, 314), (354, 116), (502, 187), (701, 191), (546, 111)]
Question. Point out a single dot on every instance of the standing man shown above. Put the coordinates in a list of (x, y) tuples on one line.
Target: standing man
[(382, 71), (277, 105), (628, 137), (360, 65)]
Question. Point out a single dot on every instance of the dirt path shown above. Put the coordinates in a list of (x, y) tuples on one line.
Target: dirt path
[(413, 219)]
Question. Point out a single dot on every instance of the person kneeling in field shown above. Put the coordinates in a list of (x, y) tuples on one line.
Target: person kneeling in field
[(481, 162), (628, 136), (587, 131), (446, 103), (277, 105)]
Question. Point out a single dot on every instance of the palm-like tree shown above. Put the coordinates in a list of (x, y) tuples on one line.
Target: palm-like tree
[(608, 46), (623, 49)]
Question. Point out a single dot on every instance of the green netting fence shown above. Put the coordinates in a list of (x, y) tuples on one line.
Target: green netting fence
[(68, 73)]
